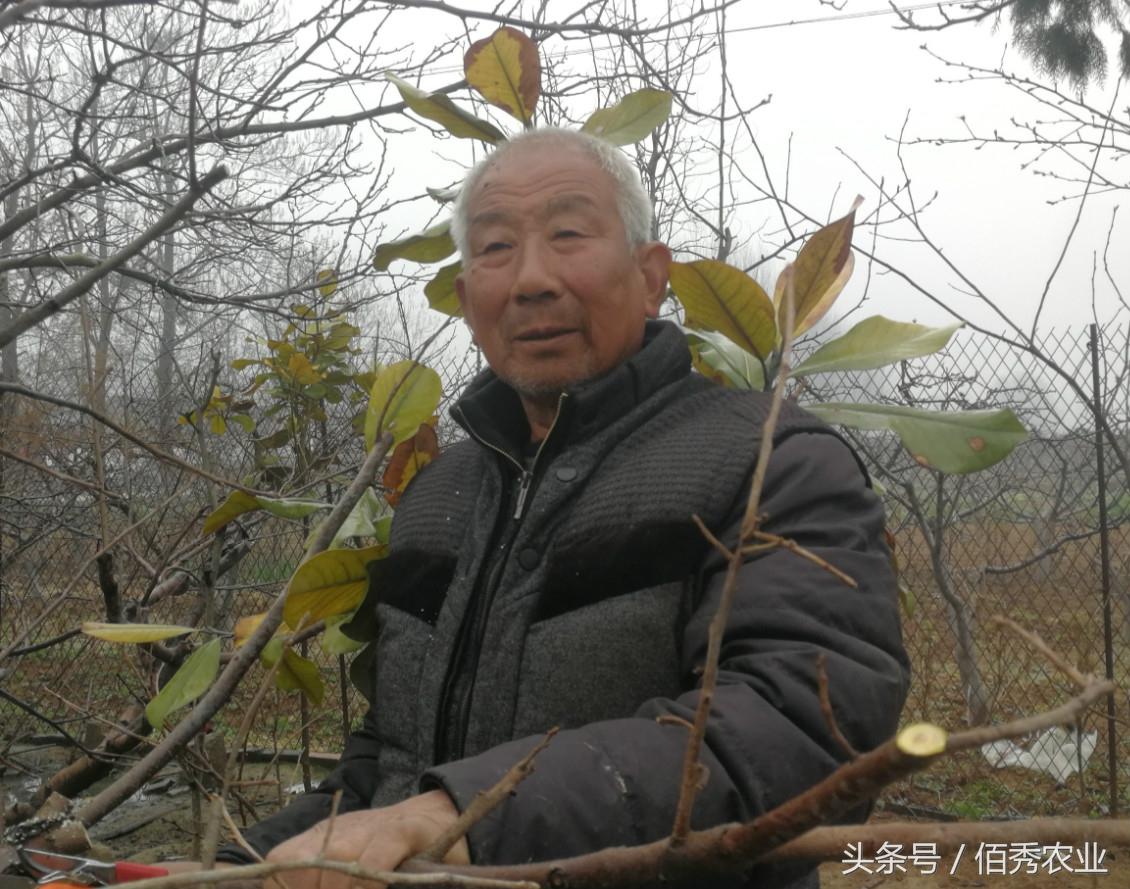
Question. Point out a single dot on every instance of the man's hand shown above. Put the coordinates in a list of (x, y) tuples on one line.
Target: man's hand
[(377, 839)]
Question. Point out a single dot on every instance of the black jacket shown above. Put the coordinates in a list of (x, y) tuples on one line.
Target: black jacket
[(574, 590)]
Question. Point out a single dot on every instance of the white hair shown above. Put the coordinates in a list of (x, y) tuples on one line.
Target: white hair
[(631, 199)]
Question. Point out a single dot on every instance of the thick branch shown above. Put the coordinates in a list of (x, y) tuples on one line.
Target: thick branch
[(29, 318)]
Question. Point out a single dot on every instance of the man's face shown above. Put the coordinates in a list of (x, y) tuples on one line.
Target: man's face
[(551, 290)]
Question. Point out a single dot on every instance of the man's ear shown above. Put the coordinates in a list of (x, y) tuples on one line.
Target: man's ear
[(461, 293), (653, 258)]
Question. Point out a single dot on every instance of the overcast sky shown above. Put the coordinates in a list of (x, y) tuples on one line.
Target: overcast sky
[(845, 85)]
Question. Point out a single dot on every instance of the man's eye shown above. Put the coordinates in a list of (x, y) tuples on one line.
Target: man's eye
[(566, 233), (495, 246)]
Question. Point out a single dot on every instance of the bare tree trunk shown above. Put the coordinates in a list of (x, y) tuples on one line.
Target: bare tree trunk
[(166, 413), (958, 613)]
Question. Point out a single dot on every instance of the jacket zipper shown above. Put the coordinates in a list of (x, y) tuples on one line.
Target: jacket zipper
[(473, 626)]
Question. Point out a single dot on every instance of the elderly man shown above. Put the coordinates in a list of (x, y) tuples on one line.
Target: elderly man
[(546, 570)]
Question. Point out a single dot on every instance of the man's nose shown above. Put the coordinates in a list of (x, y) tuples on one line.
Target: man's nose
[(536, 277)]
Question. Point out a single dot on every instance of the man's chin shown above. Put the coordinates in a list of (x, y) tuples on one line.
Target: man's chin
[(547, 385)]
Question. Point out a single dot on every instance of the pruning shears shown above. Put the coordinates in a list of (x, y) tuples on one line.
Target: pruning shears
[(54, 869)]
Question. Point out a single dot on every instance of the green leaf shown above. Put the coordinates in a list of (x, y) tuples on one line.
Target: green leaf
[(239, 502), (440, 291), (330, 583), (244, 421), (431, 245), (194, 677), (874, 342), (403, 396), (630, 119), (506, 71), (133, 633), (716, 358), (949, 441), (717, 296), (274, 440), (361, 521), (236, 504), (241, 363), (290, 508), (334, 641), (364, 520), (438, 107)]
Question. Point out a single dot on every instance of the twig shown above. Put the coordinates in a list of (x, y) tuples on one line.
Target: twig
[(977, 737), (212, 828), (238, 835), (485, 802), (776, 541), (672, 719), (362, 875), (826, 706), (1033, 639), (31, 711), (62, 476), (221, 690), (711, 539), (692, 772)]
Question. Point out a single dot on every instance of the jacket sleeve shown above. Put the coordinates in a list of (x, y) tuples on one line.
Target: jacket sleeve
[(616, 782), (355, 776)]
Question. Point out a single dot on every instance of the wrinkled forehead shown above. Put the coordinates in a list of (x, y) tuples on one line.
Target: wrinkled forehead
[(532, 161)]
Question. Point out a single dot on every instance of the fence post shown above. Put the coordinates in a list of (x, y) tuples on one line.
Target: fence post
[(1104, 558)]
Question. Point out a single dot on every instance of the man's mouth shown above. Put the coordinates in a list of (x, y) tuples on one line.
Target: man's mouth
[(543, 334)]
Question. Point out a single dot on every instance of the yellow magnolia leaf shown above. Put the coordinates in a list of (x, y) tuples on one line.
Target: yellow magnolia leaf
[(407, 459), (245, 626), (821, 270), (330, 583), (301, 674), (236, 504), (403, 396), (438, 107), (133, 633), (327, 282), (506, 71), (717, 296), (440, 291), (299, 369), (630, 119), (295, 673)]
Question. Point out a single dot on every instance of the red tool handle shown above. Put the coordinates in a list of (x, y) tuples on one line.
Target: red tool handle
[(125, 871)]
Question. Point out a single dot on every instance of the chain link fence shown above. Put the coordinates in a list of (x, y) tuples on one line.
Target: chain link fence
[(1042, 538)]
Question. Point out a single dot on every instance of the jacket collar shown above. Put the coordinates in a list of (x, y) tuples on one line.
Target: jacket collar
[(491, 411)]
